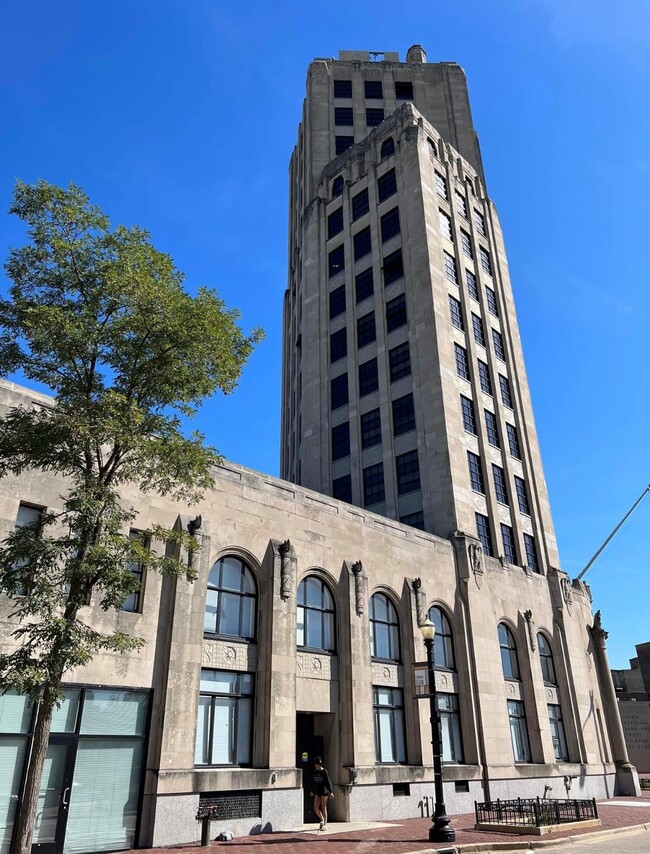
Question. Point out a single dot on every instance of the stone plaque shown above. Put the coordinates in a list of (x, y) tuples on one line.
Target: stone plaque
[(226, 806), (635, 717)]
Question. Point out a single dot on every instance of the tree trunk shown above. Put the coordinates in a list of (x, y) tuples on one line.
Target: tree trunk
[(29, 803)]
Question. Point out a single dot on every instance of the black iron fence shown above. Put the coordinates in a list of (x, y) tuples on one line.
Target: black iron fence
[(535, 812)]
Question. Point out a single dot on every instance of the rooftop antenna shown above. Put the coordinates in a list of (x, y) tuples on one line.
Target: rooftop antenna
[(620, 524)]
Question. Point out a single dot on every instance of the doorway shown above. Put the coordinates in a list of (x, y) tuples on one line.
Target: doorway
[(308, 746), (54, 795)]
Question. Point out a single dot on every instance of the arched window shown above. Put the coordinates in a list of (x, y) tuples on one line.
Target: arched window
[(434, 147), (546, 660), (387, 148), (384, 628), (443, 647), (337, 187), (508, 653), (315, 626), (230, 603)]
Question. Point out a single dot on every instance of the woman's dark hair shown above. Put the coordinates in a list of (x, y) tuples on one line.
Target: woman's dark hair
[(318, 760)]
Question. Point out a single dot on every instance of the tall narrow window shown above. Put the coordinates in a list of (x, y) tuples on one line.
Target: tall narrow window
[(450, 268), (342, 488), (27, 517), (499, 350), (362, 243), (400, 362), (491, 429), (225, 722), (467, 409), (336, 261), (393, 267), (466, 244), (339, 394), (366, 332), (337, 187), (506, 397), (508, 647), (508, 538), (513, 441), (484, 377), (315, 615), (364, 285), (370, 429), (475, 472), (472, 287), (546, 660), (408, 472), (340, 441), (388, 711), (368, 377), (373, 485), (518, 731), (445, 224), (531, 552), (360, 205), (231, 599), (486, 264), (479, 222), (403, 415), (456, 313), (522, 495), (462, 363), (389, 224), (443, 647), (337, 302), (557, 733), (395, 313), (386, 185), (500, 484), (461, 205), (441, 186), (477, 326), (387, 148), (491, 298), (452, 744), (483, 532), (338, 345), (335, 223), (133, 602), (384, 629)]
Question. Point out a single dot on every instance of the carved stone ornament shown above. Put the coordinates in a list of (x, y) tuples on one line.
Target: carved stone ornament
[(475, 551), (598, 633), (287, 570), (567, 593), (420, 601), (360, 588), (530, 623)]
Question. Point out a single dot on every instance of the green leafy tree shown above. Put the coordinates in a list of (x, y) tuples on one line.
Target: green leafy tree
[(100, 317)]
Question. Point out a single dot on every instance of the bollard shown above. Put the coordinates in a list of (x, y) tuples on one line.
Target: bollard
[(205, 831)]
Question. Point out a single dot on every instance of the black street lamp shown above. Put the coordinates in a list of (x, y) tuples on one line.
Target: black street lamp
[(440, 830)]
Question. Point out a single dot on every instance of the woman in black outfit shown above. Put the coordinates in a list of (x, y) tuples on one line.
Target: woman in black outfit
[(322, 791)]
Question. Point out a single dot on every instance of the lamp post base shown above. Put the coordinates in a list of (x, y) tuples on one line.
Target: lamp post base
[(440, 830)]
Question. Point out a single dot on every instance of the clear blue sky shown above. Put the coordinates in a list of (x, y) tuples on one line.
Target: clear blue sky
[(181, 116)]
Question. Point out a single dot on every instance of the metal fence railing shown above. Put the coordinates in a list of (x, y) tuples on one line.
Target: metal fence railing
[(535, 812)]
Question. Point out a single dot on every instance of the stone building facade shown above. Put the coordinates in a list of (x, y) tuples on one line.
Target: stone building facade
[(299, 637), (632, 687)]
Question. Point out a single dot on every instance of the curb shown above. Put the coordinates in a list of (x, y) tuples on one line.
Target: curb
[(533, 846)]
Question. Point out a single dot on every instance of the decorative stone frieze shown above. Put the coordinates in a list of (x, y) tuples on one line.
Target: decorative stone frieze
[(229, 655), (311, 665), (387, 675)]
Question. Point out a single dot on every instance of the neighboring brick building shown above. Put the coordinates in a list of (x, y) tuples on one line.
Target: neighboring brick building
[(300, 634), (633, 694)]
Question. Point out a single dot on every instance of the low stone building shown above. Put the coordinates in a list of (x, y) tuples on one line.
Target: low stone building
[(299, 638), (633, 694)]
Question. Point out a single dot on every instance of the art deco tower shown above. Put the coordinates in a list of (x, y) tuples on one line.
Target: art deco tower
[(404, 387)]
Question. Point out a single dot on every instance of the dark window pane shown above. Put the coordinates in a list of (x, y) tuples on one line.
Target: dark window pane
[(403, 415), (497, 340), (386, 185), (373, 484), (342, 488), (408, 472), (339, 391), (360, 205), (343, 116), (337, 186), (483, 532), (389, 225), (531, 552), (462, 363), (373, 89), (504, 385), (342, 88), (491, 428), (366, 333), (477, 326), (370, 429), (467, 408), (387, 148), (513, 441), (340, 441), (368, 377), (393, 267), (475, 472), (336, 261), (450, 267), (441, 185), (456, 313), (486, 264), (395, 313), (500, 484), (522, 495), (403, 91), (466, 244), (491, 298), (415, 520), (507, 536), (363, 284), (484, 377), (374, 116), (362, 245), (337, 301), (472, 287), (343, 143), (400, 362), (338, 345), (335, 223)]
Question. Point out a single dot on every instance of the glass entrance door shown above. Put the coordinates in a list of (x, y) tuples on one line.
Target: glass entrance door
[(54, 795)]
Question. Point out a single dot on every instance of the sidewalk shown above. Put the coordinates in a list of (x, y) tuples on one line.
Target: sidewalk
[(411, 835)]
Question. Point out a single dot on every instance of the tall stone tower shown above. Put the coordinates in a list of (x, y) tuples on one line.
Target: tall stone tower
[(404, 387)]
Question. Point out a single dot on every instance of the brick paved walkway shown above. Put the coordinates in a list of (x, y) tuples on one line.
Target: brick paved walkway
[(411, 834)]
